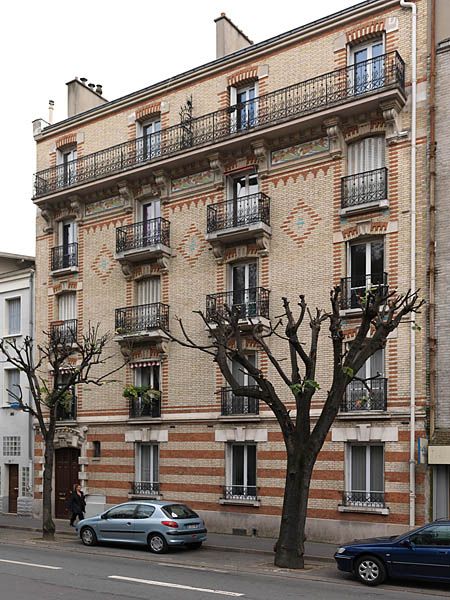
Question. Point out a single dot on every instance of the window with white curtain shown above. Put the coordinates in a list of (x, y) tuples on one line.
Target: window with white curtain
[(12, 383), (13, 316), (67, 306), (366, 154), (241, 471), (365, 477), (148, 290), (148, 463)]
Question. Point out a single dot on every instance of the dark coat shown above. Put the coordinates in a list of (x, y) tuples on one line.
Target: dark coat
[(77, 503)]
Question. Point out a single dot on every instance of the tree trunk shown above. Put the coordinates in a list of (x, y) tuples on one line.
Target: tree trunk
[(48, 526), (290, 547)]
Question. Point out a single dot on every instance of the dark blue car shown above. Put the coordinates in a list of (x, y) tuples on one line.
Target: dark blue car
[(420, 554)]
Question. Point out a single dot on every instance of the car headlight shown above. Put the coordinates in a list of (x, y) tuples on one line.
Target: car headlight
[(341, 550)]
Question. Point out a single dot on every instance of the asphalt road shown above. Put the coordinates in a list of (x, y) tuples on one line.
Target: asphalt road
[(32, 570)]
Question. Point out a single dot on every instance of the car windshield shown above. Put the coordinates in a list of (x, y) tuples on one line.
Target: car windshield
[(179, 511), (396, 538)]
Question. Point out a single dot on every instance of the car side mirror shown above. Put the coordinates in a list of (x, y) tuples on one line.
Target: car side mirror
[(407, 543), (104, 516)]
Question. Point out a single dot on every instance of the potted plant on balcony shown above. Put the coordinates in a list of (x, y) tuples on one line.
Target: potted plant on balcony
[(144, 393), (361, 403)]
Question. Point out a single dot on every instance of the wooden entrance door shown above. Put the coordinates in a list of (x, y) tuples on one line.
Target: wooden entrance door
[(13, 488), (66, 475)]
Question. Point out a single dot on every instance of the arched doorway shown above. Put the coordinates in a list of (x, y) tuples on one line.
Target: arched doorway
[(66, 475)]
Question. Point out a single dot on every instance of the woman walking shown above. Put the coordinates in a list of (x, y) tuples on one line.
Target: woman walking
[(77, 504)]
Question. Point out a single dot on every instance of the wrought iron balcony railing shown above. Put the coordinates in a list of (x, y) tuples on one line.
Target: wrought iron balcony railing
[(307, 97), (145, 488), (250, 303), (143, 235), (355, 287), (240, 492), (238, 212), (67, 411), (358, 397), (64, 332), (363, 188), (238, 405), (145, 317), (150, 407), (63, 257), (363, 499)]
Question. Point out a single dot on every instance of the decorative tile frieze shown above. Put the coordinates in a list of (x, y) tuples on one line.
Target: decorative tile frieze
[(300, 150)]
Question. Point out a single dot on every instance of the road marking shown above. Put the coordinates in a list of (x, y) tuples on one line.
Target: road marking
[(27, 564), (174, 585), (204, 568)]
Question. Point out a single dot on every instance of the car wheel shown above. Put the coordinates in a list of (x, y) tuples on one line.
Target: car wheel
[(88, 536), (194, 545), (157, 543), (370, 570)]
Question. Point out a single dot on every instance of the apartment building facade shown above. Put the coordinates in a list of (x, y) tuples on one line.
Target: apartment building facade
[(279, 168), (16, 437)]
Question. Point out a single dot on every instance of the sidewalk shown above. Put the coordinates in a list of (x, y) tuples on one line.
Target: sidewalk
[(315, 551)]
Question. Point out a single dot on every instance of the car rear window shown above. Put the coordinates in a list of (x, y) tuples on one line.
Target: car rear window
[(179, 511)]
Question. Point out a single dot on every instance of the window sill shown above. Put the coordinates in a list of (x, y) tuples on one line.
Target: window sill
[(368, 510), (240, 502), (12, 335), (364, 414), (64, 271), (240, 417), (366, 207)]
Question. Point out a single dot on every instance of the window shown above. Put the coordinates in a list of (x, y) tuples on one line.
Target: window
[(13, 316), (126, 511), (368, 62), (367, 154), (147, 469), (367, 176), (11, 445), (96, 449), (66, 158), (151, 139), (67, 306), (67, 406), (68, 238), (151, 223), (366, 269), (242, 471), (365, 476), (246, 108), (65, 329), (148, 290), (244, 292), (240, 405), (148, 404), (12, 384), (242, 207), (435, 535), (25, 482), (144, 511), (372, 394)]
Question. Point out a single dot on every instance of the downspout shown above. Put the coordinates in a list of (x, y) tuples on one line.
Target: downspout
[(30, 397), (412, 349)]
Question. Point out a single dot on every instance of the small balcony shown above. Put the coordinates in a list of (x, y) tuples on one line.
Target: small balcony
[(240, 492), (146, 240), (337, 93), (145, 488), (368, 396), (364, 191), (149, 408), (233, 405), (145, 322), (239, 219), (363, 499), (354, 288), (64, 332), (64, 259), (67, 410), (252, 305)]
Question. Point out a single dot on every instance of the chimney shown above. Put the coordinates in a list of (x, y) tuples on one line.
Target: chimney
[(229, 38), (82, 96), (51, 105)]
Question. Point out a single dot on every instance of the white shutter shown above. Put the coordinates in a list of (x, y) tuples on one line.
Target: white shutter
[(148, 290), (67, 307)]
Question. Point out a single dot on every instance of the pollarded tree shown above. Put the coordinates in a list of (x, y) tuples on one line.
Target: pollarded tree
[(381, 312), (52, 369)]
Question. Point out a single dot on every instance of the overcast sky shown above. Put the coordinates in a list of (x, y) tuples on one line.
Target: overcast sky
[(125, 46)]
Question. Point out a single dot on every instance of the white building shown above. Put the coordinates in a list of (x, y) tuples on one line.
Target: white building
[(16, 321)]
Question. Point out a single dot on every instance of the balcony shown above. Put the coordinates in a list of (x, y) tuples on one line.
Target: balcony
[(252, 305), (64, 332), (146, 240), (145, 322), (149, 408), (145, 488), (364, 191), (365, 397), (64, 259), (354, 288), (233, 405), (240, 492), (363, 499), (335, 94), (67, 410)]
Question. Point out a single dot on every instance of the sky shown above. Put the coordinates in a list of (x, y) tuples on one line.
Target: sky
[(125, 46)]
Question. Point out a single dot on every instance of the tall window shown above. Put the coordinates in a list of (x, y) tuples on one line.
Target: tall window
[(147, 470), (243, 98), (65, 329), (67, 407), (151, 234), (68, 238), (365, 478), (365, 155), (151, 139), (244, 280), (241, 471), (368, 62), (148, 290), (365, 267), (240, 405), (148, 403), (67, 160), (67, 306), (12, 383), (370, 395), (25, 482), (13, 320)]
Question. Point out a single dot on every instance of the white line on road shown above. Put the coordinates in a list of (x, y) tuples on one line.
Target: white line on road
[(174, 585), (27, 564), (204, 568)]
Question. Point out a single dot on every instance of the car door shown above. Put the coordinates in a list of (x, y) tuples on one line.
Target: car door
[(425, 554), (118, 524), (143, 522)]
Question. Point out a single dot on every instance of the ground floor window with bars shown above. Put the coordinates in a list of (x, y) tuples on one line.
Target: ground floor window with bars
[(147, 469), (365, 476), (241, 472)]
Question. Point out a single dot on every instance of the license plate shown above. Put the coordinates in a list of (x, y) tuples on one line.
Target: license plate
[(192, 526)]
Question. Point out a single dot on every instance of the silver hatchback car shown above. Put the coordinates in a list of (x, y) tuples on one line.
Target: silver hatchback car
[(155, 523)]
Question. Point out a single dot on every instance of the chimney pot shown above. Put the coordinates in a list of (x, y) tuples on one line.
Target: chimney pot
[(91, 85), (83, 80), (99, 89)]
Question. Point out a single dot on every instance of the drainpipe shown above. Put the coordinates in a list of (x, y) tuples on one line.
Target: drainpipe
[(30, 397), (412, 380)]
